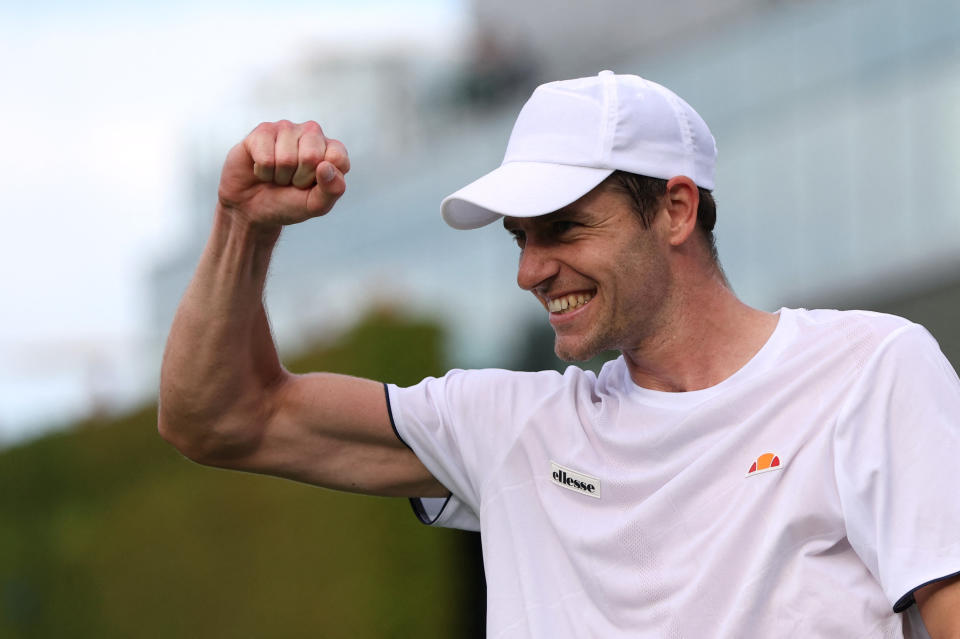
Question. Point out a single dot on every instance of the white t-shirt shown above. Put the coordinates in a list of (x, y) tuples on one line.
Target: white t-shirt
[(807, 495)]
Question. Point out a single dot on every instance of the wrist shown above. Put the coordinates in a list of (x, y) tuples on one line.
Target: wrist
[(237, 223)]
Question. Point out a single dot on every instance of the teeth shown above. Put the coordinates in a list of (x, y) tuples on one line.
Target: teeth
[(568, 302)]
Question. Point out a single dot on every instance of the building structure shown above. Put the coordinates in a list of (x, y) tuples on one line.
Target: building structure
[(837, 133)]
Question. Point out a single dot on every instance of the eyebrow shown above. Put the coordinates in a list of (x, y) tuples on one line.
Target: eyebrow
[(561, 213)]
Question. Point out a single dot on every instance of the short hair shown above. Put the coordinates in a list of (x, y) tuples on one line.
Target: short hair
[(644, 194)]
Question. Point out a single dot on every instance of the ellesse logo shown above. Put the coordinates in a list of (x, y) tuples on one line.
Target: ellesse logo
[(764, 464), (572, 480)]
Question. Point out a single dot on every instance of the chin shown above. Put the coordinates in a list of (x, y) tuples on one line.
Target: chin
[(576, 352)]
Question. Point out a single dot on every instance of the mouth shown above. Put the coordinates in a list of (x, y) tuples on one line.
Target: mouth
[(568, 303)]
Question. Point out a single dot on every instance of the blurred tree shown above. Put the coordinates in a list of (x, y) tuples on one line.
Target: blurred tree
[(106, 531)]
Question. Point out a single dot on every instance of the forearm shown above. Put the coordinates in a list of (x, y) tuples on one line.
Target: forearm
[(220, 359)]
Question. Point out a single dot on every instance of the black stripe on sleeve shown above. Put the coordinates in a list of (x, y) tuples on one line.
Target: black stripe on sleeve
[(908, 600), (393, 424), (415, 503), (421, 512)]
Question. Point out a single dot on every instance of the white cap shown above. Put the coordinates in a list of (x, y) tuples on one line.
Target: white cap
[(572, 134)]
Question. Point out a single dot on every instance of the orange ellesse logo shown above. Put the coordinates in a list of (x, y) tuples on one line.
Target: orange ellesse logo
[(764, 463)]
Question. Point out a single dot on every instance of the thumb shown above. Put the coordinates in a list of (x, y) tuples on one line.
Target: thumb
[(330, 185)]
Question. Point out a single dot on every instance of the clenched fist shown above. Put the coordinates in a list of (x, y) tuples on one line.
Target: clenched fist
[(283, 173)]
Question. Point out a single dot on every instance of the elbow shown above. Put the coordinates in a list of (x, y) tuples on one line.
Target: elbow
[(181, 422), (214, 438), (199, 436), (210, 444), (214, 431), (183, 436)]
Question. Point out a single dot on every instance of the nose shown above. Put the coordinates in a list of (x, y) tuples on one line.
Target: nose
[(537, 266)]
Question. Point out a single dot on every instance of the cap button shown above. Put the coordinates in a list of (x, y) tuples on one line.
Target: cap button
[(606, 72)]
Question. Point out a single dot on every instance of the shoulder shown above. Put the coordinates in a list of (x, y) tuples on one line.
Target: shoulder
[(896, 364), (846, 346), (480, 387), (520, 381), (860, 331), (853, 320)]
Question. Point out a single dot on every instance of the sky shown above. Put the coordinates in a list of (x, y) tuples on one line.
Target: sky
[(96, 100)]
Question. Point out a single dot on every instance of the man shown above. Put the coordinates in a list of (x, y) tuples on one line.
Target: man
[(734, 472)]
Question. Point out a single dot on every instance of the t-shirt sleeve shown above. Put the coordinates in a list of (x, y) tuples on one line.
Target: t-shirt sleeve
[(460, 426), (897, 443)]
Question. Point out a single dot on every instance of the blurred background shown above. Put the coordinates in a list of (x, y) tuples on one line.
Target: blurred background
[(838, 136)]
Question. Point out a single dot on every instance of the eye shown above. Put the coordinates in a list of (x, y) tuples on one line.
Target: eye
[(562, 226), (519, 237)]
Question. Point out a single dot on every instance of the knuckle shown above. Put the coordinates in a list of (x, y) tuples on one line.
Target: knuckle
[(311, 127), (284, 125), (311, 156), (336, 154), (265, 127)]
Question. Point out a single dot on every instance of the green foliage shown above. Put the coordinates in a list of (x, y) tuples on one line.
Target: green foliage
[(106, 531), (382, 347)]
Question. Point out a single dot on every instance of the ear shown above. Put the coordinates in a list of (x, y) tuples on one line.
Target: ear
[(682, 200)]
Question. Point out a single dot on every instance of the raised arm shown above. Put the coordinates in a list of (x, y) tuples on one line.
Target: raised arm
[(225, 399)]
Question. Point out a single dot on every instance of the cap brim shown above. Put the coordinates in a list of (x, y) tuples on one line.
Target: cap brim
[(519, 189)]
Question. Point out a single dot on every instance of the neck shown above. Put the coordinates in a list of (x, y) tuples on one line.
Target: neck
[(706, 335)]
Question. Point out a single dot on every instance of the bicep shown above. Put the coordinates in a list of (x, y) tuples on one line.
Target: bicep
[(334, 431), (939, 605)]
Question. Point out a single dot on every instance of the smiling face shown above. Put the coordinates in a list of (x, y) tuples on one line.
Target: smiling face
[(603, 277)]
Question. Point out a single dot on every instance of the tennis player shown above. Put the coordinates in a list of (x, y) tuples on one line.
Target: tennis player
[(733, 473)]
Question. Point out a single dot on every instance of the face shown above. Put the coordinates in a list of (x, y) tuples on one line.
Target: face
[(602, 277)]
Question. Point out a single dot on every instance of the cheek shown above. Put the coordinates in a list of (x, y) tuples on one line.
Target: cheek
[(642, 277)]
